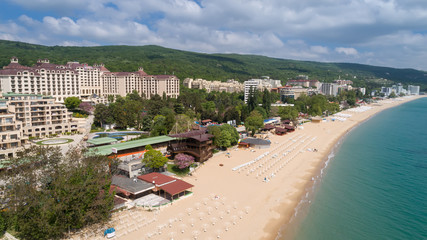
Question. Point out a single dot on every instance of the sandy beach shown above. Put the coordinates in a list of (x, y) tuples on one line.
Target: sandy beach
[(240, 203)]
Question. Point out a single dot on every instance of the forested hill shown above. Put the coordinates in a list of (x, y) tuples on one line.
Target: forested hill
[(159, 60)]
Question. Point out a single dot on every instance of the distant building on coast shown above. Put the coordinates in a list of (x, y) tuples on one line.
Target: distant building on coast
[(329, 89), (230, 86), (304, 83), (260, 84), (74, 79), (413, 90)]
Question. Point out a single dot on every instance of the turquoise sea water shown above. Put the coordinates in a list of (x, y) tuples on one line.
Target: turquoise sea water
[(376, 185)]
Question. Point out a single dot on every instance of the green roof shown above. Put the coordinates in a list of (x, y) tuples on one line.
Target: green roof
[(107, 150), (101, 140)]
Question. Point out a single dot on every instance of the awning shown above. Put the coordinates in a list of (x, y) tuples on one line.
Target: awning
[(176, 187)]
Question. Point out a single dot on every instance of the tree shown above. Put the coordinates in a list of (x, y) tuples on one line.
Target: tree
[(208, 110), (147, 122), (134, 96), (266, 101), (216, 132), (224, 140), (288, 113), (153, 158), (182, 124), (118, 114), (51, 194), (262, 111), (3, 223), (232, 114), (102, 114), (183, 160), (72, 103), (254, 122), (392, 95), (178, 108), (252, 99), (159, 126), (86, 107), (234, 135), (169, 118), (110, 98)]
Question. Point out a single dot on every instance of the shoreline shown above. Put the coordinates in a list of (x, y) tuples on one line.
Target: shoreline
[(301, 209), (239, 204)]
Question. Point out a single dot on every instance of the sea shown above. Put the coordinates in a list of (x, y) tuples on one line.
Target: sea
[(374, 184)]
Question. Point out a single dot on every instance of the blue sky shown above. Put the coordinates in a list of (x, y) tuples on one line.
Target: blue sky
[(377, 32)]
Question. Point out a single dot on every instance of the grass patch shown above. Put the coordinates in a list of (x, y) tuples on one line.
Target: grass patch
[(180, 172), (51, 141)]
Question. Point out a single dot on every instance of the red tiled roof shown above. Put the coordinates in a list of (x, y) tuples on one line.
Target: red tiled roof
[(281, 130), (15, 71), (15, 66), (268, 126), (158, 178), (202, 137), (176, 187), (117, 189)]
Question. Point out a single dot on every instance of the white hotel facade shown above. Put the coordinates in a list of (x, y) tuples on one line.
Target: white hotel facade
[(81, 80)]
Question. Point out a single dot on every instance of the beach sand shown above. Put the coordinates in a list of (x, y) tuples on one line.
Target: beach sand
[(237, 204)]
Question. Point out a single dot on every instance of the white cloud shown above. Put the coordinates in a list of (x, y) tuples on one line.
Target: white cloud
[(371, 31), (346, 51), (319, 49)]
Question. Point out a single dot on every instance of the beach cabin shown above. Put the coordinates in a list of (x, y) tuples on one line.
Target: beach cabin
[(197, 143), (130, 188), (287, 121), (166, 186), (267, 128), (280, 131), (316, 119), (289, 128)]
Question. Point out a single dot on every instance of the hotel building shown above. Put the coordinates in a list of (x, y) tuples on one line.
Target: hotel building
[(73, 79), (122, 83), (39, 115), (11, 134)]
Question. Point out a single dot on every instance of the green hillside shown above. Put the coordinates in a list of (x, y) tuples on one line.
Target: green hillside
[(159, 60)]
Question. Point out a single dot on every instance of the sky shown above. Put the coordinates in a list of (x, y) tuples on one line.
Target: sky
[(390, 33)]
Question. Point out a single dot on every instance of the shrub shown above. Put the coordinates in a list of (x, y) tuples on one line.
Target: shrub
[(183, 160)]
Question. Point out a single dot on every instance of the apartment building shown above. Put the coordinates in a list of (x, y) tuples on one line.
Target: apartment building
[(39, 115), (230, 86), (74, 79), (122, 83), (249, 86), (414, 90), (304, 83), (11, 134), (329, 88)]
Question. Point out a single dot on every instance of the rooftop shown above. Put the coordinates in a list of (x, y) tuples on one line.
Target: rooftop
[(108, 149), (157, 178), (176, 187), (131, 185)]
